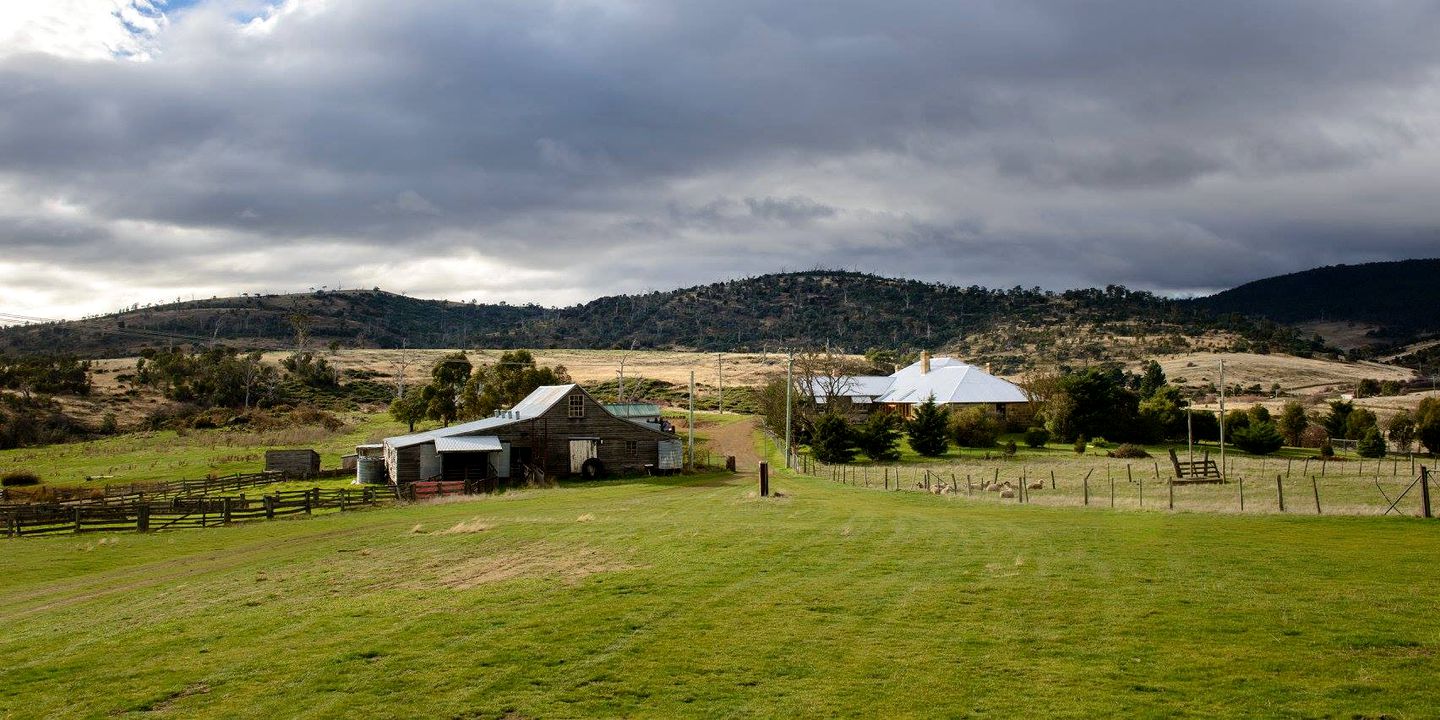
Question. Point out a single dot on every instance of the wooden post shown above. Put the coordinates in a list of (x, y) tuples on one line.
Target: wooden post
[(1172, 496), (1306, 469), (1130, 476), (1142, 488), (1280, 493), (1315, 485), (1242, 494), (77, 519), (1052, 479), (1287, 466), (1425, 492), (142, 518), (764, 479), (225, 509), (269, 502), (1112, 487), (968, 486), (1087, 487)]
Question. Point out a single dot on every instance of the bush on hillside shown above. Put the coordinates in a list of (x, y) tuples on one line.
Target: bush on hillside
[(975, 428), (1036, 437), (1371, 445), (1128, 451), (1260, 438), (19, 478)]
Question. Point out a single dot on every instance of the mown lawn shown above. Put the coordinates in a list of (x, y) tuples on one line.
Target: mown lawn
[(692, 598)]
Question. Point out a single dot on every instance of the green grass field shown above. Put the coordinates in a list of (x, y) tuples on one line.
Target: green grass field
[(691, 597), (168, 455)]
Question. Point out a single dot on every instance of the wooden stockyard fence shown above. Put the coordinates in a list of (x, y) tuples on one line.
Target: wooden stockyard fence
[(154, 514)]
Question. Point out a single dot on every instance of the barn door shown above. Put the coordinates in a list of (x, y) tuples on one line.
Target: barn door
[(582, 450)]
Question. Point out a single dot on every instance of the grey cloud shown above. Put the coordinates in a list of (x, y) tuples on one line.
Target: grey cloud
[(994, 142)]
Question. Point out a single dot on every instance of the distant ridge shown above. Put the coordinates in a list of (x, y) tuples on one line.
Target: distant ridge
[(1402, 296), (843, 310)]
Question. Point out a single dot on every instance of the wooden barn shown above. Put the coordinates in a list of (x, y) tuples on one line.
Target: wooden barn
[(558, 430)]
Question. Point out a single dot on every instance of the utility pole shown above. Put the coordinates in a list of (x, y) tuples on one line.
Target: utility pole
[(690, 424), (789, 388), (720, 366), (1222, 417)]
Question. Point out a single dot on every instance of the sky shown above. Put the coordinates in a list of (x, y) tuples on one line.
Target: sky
[(554, 151)]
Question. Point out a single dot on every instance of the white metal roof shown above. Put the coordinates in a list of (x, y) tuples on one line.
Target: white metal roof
[(949, 381), (468, 443)]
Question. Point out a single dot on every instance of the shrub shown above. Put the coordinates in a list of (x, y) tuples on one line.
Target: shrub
[(1036, 437), (109, 425), (1327, 450), (833, 440), (1099, 443), (1010, 447), (1080, 445), (19, 478), (1371, 445), (927, 429), (1128, 451), (879, 437), (974, 427), (1259, 438)]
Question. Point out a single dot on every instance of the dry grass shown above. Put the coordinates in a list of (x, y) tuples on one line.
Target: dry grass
[(1295, 375), (563, 563)]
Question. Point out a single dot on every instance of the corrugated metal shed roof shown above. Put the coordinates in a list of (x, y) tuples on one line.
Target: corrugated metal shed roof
[(633, 410), (534, 405), (468, 443)]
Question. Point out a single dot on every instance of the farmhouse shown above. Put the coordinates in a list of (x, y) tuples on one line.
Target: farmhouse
[(949, 381), (557, 430)]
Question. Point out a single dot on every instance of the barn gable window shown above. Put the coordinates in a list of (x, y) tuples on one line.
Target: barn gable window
[(577, 406), (631, 445)]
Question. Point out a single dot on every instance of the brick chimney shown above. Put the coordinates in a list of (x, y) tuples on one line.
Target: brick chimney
[(924, 362)]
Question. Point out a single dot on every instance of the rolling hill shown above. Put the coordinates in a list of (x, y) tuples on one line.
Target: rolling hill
[(843, 310)]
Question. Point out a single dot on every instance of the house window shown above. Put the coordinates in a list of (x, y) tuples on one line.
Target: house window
[(630, 445), (577, 406)]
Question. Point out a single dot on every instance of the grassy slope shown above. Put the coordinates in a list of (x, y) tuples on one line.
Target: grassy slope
[(166, 455), (692, 598)]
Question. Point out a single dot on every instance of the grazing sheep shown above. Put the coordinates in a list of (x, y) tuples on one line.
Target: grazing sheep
[(1036, 485), (1008, 492)]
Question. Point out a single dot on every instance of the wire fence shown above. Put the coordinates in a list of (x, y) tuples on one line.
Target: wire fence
[(1385, 486)]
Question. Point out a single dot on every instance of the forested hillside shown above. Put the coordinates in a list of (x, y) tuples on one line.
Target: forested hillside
[(842, 310), (1399, 297)]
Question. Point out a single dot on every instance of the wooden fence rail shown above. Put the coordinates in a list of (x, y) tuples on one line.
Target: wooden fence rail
[(159, 514)]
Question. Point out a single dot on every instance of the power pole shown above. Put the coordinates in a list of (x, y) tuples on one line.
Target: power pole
[(720, 366), (789, 387), (1222, 417), (690, 425)]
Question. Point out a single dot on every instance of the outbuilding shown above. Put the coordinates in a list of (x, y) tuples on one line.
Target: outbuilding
[(556, 431)]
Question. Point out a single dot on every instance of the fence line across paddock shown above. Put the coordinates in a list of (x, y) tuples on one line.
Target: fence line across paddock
[(1384, 486)]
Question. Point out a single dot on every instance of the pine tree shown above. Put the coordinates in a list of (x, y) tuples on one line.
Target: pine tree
[(928, 429), (1371, 445), (879, 437), (833, 440)]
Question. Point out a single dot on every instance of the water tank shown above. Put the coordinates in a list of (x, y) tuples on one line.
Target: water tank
[(370, 470)]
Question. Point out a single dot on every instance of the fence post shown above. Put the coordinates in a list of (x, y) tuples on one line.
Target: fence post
[(1052, 479), (1172, 496), (269, 502), (77, 519), (1425, 491), (1087, 488), (764, 479), (1315, 485), (225, 508), (142, 518), (1280, 492), (1242, 493)]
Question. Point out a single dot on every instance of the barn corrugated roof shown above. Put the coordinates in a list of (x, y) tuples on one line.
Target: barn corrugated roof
[(468, 443), (534, 405)]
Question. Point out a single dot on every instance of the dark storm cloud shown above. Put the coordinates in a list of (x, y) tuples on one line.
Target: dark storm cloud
[(1000, 143)]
